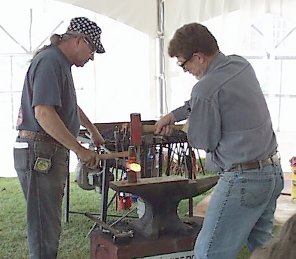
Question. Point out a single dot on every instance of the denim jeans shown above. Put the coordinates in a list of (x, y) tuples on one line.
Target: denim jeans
[(43, 193), (241, 211)]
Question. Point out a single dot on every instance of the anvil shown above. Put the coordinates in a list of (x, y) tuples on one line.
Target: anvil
[(161, 196)]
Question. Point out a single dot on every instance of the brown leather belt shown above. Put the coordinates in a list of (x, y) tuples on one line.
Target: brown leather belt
[(38, 136), (273, 160)]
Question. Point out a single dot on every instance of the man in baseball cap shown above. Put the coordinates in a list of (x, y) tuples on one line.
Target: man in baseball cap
[(90, 29), (48, 125)]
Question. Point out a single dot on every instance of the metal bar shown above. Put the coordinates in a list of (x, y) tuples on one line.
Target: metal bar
[(67, 197), (122, 217), (160, 37), (189, 169), (280, 99), (160, 157), (30, 30), (105, 188), (199, 159), (11, 92), (98, 214), (55, 28), (10, 36), (168, 164), (112, 199), (285, 37)]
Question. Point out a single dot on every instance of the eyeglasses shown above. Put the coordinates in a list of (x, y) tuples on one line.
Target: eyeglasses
[(183, 64), (90, 45)]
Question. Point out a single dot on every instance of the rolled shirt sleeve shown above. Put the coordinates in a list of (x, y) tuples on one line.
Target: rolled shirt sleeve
[(182, 112), (204, 124)]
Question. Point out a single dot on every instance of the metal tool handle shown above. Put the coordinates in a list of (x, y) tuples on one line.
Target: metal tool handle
[(121, 154), (149, 129)]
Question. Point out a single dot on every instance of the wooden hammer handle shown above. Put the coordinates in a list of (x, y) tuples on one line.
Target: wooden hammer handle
[(149, 129), (113, 155)]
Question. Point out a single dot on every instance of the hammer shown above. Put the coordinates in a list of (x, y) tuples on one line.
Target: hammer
[(113, 155), (148, 129), (137, 129)]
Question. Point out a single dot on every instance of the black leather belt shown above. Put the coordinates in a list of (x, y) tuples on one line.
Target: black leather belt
[(38, 136), (273, 160)]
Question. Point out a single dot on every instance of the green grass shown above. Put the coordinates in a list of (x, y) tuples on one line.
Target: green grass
[(74, 242)]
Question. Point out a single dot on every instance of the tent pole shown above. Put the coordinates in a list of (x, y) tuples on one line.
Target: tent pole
[(161, 65)]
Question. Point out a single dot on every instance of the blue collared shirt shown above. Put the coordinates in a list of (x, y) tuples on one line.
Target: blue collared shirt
[(228, 115)]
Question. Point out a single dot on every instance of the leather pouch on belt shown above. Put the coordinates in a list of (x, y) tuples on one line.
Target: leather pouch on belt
[(42, 165)]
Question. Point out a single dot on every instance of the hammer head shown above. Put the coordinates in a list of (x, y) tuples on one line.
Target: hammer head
[(136, 129)]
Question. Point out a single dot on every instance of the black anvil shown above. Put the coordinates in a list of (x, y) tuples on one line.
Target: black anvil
[(161, 196)]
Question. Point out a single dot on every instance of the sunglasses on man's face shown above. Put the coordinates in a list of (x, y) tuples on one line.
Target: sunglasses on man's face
[(90, 45)]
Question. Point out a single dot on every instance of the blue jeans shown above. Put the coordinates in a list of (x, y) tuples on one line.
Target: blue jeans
[(241, 211), (43, 193)]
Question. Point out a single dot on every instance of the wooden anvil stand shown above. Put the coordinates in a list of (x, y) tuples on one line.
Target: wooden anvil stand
[(160, 230), (102, 246)]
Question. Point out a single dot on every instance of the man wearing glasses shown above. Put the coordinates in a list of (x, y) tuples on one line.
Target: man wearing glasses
[(48, 124), (228, 118)]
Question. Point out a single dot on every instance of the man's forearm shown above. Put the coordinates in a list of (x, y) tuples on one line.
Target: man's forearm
[(85, 122), (50, 121), (92, 129), (182, 112)]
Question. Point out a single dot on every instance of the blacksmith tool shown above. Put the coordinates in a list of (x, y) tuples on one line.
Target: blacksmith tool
[(137, 128), (113, 155), (118, 236)]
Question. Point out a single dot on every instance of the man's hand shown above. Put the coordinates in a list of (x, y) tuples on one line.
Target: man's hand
[(164, 125), (88, 157)]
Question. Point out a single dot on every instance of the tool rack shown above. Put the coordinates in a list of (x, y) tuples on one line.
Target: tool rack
[(158, 156)]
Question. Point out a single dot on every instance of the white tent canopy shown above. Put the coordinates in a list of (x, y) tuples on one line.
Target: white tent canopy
[(143, 15), (160, 18)]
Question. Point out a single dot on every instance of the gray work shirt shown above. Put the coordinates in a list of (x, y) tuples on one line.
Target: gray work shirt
[(49, 82), (228, 115)]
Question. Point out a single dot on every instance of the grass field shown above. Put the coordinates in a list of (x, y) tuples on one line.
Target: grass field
[(74, 241)]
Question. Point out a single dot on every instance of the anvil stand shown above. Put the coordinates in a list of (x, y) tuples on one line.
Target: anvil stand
[(160, 230), (102, 246)]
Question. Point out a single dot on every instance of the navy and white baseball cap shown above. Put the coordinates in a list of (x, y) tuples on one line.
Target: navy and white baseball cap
[(88, 28)]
